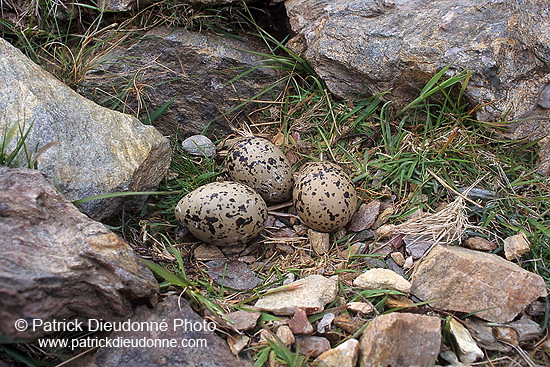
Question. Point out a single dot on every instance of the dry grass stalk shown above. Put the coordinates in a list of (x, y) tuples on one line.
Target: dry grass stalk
[(444, 227)]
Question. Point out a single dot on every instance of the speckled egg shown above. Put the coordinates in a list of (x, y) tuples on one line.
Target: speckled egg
[(223, 213), (324, 196), (258, 163)]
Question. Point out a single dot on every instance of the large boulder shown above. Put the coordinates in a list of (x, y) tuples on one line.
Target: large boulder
[(85, 149), (193, 341), (56, 263), (194, 71), (372, 46)]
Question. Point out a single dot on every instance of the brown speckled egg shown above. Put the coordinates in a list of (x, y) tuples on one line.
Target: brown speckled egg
[(223, 213), (324, 196), (258, 163)]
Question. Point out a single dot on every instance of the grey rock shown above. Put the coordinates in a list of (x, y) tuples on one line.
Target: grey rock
[(464, 280), (526, 328), (311, 294), (199, 145), (204, 347), (377, 46), (193, 70), (418, 245), (544, 98), (85, 149), (400, 339), (372, 46), (365, 217), (56, 263)]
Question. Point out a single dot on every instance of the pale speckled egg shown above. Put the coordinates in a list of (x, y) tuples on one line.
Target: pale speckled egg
[(258, 163), (223, 213), (324, 196)]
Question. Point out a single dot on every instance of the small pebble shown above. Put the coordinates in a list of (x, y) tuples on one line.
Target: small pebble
[(299, 324), (398, 258), (320, 241), (285, 335), (516, 246), (480, 243), (199, 145)]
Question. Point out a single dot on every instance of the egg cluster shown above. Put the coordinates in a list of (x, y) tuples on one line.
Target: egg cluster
[(233, 212)]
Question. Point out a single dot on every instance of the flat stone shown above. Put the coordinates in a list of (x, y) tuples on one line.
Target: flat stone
[(311, 345), (319, 241), (400, 340), (480, 243), (457, 279), (311, 294), (57, 263), (382, 279), (243, 320), (365, 217), (468, 351), (199, 145), (233, 274), (299, 323), (344, 355), (526, 329), (206, 252), (392, 265), (515, 246), (417, 246), (194, 71), (83, 148), (202, 347), (483, 335)]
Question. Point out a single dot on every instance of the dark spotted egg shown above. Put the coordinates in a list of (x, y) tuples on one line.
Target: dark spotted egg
[(258, 163), (223, 213), (324, 196)]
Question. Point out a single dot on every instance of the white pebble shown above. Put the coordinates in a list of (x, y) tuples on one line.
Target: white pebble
[(199, 145)]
